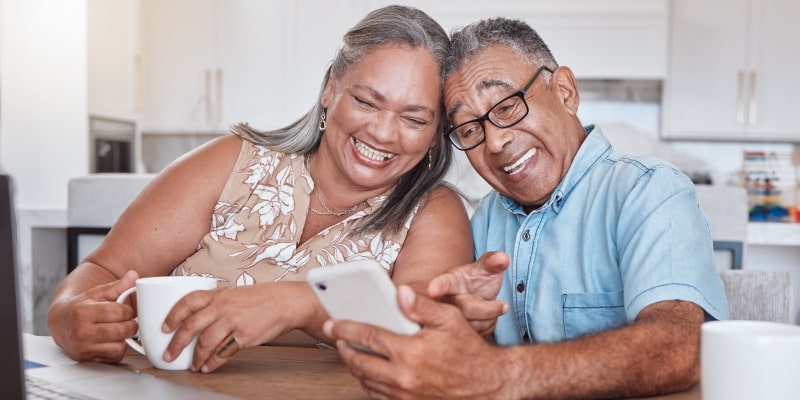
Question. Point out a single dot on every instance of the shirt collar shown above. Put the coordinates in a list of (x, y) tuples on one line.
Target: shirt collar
[(595, 148)]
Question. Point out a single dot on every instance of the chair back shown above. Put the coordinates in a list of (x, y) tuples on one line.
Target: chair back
[(727, 212), (759, 295)]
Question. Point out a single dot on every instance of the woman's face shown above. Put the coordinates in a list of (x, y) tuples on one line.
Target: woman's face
[(382, 115)]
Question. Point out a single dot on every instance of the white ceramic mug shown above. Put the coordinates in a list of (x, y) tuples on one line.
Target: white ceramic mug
[(155, 297), (746, 360)]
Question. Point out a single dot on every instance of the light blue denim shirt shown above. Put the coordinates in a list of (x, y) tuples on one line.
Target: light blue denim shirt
[(618, 234)]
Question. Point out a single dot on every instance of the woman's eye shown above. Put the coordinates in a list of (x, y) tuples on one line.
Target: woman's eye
[(363, 102), (417, 122)]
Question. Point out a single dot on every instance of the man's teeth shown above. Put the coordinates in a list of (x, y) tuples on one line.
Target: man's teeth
[(522, 160), (372, 153)]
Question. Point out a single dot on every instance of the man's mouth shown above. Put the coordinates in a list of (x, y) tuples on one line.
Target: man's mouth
[(520, 163), (371, 153)]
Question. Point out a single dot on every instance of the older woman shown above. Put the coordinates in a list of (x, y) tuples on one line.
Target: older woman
[(357, 177)]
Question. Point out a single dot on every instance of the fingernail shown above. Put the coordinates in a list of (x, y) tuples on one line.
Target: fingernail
[(165, 328), (167, 356), (204, 369), (327, 327), (406, 294)]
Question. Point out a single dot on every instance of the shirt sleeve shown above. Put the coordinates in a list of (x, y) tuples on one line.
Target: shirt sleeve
[(666, 251)]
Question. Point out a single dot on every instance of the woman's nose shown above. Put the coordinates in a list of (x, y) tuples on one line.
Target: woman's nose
[(384, 126)]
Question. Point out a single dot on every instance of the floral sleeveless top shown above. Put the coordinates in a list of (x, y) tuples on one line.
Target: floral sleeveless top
[(258, 220)]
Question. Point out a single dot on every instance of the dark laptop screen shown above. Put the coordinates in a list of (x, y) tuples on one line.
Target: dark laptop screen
[(11, 370)]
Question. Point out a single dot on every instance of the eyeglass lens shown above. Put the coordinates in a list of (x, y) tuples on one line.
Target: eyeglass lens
[(504, 114)]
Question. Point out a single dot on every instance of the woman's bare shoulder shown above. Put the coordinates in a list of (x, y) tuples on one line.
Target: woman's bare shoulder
[(445, 195)]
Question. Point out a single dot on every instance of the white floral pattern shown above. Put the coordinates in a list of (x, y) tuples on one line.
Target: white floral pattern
[(257, 223)]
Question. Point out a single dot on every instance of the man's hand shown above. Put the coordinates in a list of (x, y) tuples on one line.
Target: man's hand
[(92, 326), (657, 354), (421, 366), (473, 289)]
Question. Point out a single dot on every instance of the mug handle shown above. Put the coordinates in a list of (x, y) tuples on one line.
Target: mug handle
[(134, 344)]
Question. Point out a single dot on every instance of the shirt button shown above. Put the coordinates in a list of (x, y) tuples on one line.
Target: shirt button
[(520, 287), (526, 235)]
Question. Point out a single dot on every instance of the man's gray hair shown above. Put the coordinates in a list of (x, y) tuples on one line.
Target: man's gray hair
[(516, 34)]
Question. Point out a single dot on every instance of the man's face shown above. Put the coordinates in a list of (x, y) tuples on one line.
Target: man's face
[(527, 160)]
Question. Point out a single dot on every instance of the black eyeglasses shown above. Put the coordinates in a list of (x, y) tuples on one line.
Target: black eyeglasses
[(505, 114)]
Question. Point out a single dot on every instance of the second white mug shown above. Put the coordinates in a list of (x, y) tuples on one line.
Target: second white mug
[(745, 360)]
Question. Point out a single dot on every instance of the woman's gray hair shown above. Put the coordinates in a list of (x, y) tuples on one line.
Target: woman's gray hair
[(516, 34), (387, 25)]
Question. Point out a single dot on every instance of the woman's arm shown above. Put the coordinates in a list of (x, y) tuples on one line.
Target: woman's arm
[(160, 228), (440, 237)]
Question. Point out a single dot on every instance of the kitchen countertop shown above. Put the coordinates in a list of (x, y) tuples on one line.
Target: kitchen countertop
[(773, 234)]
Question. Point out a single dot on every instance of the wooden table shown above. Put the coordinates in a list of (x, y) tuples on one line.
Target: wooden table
[(269, 372), (276, 372)]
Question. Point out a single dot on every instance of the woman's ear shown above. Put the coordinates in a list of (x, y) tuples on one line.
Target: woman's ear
[(327, 93), (566, 87)]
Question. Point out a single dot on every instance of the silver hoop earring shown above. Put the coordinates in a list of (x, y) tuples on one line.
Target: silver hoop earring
[(322, 123)]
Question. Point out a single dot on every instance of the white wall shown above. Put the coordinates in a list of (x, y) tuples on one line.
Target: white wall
[(43, 116), (43, 98)]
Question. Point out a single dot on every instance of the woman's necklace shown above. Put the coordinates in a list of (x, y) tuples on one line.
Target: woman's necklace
[(328, 211)]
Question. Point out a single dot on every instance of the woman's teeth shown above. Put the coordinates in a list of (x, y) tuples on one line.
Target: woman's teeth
[(516, 167), (371, 153)]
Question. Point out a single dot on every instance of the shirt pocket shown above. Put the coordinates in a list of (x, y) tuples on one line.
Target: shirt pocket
[(586, 313)]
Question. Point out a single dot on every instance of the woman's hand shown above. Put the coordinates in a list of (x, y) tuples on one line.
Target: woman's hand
[(252, 314), (92, 326)]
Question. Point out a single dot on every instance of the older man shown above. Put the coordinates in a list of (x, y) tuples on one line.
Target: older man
[(604, 260)]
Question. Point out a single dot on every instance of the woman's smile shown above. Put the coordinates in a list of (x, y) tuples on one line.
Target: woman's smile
[(371, 153)]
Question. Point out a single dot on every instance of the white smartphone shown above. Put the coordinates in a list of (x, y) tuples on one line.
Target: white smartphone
[(360, 291)]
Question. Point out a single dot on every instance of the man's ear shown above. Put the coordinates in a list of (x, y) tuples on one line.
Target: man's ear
[(566, 86)]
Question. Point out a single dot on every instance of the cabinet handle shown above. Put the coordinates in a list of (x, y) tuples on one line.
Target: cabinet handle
[(207, 97), (740, 98), (751, 115), (218, 116)]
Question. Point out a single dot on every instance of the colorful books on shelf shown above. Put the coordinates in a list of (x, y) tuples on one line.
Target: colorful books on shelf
[(771, 180)]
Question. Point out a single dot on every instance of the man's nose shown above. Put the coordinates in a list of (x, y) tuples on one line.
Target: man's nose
[(496, 138)]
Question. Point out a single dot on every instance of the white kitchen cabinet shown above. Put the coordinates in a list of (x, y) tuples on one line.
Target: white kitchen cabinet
[(114, 60), (178, 55), (211, 63), (606, 39), (251, 52), (732, 70)]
